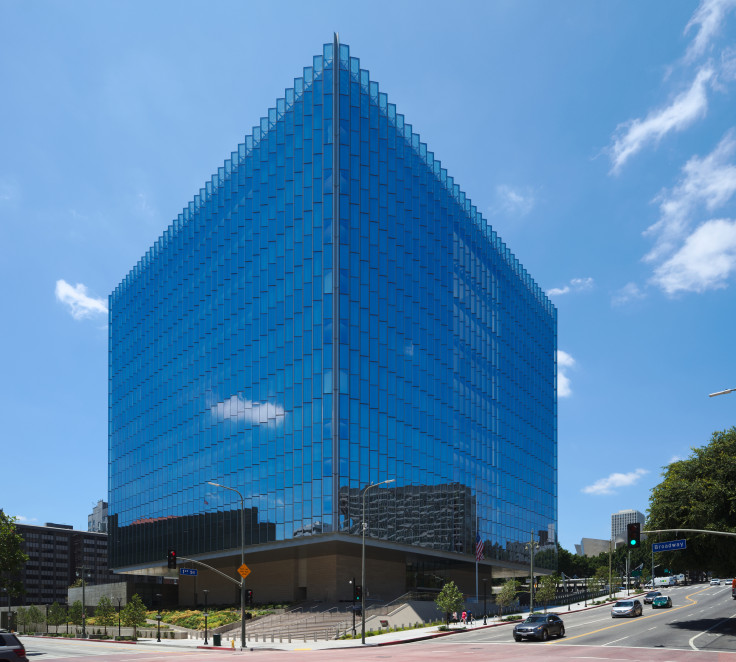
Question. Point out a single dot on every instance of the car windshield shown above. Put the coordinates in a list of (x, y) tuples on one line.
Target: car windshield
[(652, 594), (624, 603), (536, 619)]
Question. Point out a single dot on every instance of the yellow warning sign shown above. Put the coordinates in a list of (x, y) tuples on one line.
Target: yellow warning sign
[(243, 571)]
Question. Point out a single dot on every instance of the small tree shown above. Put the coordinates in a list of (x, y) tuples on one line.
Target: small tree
[(105, 613), (547, 589), (134, 614), (76, 613), (57, 615), (35, 616), (449, 599), (21, 617), (507, 595)]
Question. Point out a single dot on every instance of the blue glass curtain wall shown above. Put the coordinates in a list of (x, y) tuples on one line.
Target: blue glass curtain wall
[(246, 332)]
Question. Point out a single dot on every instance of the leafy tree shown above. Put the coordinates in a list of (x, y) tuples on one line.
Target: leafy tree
[(134, 614), (35, 616), (449, 599), (507, 595), (547, 589), (573, 565), (105, 613), (12, 556), (76, 613), (21, 618), (698, 493), (57, 615)]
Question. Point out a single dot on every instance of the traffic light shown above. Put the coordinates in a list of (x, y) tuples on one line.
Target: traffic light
[(633, 534), (172, 559), (249, 596), (358, 594)]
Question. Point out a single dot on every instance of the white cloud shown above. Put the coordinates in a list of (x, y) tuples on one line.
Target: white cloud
[(728, 64), (564, 362), (514, 201), (687, 107), (23, 518), (237, 408), (709, 181), (629, 292), (705, 261), (81, 305), (575, 285), (709, 18), (609, 484)]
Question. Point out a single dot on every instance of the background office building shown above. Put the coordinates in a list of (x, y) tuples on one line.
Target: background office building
[(331, 311), (619, 521), (57, 556)]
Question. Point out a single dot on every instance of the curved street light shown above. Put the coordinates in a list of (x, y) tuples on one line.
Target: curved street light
[(728, 390), (362, 563), (242, 558)]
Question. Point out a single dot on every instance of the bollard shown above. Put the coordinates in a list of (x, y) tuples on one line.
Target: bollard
[(271, 637), (232, 644), (315, 636), (281, 638), (288, 634)]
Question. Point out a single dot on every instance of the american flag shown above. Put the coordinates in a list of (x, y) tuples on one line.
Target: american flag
[(478, 547)]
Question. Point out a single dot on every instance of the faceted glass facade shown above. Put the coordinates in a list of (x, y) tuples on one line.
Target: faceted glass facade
[(331, 311)]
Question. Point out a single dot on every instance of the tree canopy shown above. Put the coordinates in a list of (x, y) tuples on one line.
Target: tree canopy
[(449, 599), (699, 493), (12, 556)]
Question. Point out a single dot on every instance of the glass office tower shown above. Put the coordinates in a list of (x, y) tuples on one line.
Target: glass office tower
[(328, 312)]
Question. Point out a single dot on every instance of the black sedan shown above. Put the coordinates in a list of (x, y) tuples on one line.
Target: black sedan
[(539, 626)]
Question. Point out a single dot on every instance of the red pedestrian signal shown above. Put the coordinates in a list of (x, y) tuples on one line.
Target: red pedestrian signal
[(172, 559)]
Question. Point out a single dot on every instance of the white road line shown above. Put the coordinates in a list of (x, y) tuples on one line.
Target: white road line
[(615, 641), (692, 639)]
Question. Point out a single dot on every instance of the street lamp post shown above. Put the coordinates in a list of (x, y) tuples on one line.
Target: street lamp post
[(532, 545), (158, 618), (362, 564), (352, 603), (119, 602), (83, 572), (485, 609), (242, 558), (206, 614)]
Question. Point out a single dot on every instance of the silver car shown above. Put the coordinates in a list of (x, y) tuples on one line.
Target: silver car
[(626, 608)]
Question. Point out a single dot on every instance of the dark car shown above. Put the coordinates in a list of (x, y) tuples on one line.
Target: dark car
[(662, 601), (626, 608), (650, 596), (11, 650), (539, 626)]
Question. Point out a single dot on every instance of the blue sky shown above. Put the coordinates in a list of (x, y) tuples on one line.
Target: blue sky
[(598, 138)]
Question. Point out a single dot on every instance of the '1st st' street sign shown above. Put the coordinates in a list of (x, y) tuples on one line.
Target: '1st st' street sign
[(188, 571), (670, 546)]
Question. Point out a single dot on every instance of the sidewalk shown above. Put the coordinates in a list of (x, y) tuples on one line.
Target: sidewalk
[(386, 639)]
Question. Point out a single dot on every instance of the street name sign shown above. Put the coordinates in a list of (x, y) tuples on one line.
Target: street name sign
[(670, 546), (188, 571)]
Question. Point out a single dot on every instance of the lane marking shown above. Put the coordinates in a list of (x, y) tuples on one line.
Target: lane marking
[(585, 634), (692, 639), (609, 643)]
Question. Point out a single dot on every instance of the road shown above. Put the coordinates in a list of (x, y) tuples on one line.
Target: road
[(702, 618), (701, 626)]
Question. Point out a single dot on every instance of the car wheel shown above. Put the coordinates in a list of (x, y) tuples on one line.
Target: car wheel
[(545, 634), (562, 632), (517, 638)]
